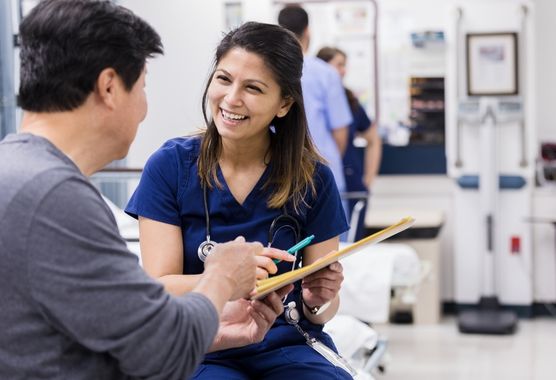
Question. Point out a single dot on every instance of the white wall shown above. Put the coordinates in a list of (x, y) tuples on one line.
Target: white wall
[(190, 31), (544, 243), (545, 30)]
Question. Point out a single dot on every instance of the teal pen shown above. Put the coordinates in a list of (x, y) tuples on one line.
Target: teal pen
[(302, 244)]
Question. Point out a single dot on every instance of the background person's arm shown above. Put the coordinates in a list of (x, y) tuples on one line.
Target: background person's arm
[(337, 109), (373, 155), (340, 136)]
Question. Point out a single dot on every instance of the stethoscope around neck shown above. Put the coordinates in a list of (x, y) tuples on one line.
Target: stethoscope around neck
[(283, 221)]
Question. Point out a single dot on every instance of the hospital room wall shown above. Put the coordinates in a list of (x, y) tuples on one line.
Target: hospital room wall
[(190, 31), (545, 30), (544, 198)]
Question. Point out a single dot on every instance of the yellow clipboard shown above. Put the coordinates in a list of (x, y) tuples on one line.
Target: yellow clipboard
[(274, 283)]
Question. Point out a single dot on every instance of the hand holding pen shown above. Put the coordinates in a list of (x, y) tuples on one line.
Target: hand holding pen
[(267, 267), (293, 250)]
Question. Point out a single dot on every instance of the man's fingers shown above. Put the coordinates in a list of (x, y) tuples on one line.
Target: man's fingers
[(268, 312), (274, 301), (261, 273)]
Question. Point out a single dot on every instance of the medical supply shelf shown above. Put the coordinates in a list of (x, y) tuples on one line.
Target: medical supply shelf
[(427, 110)]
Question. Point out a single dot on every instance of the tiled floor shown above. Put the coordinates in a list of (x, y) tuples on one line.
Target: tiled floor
[(441, 352)]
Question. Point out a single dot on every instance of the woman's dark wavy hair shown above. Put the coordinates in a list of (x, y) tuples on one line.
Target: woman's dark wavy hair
[(291, 150), (65, 44)]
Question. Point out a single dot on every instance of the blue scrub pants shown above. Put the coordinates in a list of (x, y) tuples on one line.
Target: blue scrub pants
[(286, 363)]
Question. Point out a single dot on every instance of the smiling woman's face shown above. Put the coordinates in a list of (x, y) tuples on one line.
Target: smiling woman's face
[(244, 97)]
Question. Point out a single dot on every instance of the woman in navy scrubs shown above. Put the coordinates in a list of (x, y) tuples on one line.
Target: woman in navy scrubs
[(360, 165), (255, 163)]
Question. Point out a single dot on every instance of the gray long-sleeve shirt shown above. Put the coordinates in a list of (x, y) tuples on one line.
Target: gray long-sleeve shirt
[(74, 303)]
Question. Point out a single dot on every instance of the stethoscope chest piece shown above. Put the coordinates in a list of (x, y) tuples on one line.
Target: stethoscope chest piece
[(205, 248)]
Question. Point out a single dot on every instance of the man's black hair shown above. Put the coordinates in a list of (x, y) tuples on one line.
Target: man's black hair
[(65, 44)]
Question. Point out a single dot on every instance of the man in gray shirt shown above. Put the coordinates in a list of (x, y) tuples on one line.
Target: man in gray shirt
[(74, 303)]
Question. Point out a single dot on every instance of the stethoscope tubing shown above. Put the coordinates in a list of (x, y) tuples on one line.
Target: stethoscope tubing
[(206, 246)]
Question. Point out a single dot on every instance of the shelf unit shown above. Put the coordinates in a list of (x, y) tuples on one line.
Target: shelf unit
[(427, 114)]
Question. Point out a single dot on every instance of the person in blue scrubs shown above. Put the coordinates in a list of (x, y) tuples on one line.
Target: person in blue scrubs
[(360, 165), (264, 180), (326, 105)]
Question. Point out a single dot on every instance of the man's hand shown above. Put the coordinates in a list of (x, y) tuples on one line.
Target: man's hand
[(234, 262), (245, 322), (265, 263)]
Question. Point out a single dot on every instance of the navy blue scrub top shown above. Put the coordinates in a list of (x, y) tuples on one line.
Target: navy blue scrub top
[(354, 158), (170, 192)]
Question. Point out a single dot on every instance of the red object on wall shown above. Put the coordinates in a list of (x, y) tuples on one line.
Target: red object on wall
[(515, 245)]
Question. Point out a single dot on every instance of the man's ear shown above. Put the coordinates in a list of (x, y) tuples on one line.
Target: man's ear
[(108, 85), (287, 103)]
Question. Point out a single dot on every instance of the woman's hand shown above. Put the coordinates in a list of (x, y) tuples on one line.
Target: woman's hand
[(322, 286), (245, 322)]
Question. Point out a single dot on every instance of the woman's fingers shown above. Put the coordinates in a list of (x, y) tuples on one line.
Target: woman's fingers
[(333, 272), (336, 267), (322, 294), (322, 283)]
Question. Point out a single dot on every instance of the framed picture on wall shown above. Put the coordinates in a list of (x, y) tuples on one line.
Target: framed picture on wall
[(492, 64)]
